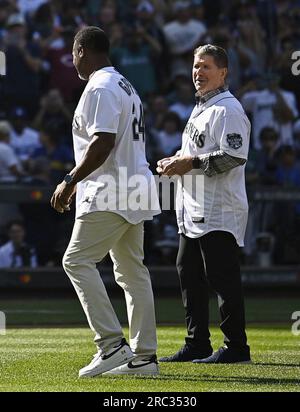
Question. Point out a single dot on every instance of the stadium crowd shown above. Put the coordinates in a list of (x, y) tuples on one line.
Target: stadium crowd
[(152, 43)]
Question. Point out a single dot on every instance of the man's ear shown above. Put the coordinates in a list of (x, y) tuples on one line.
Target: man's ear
[(224, 72), (80, 51)]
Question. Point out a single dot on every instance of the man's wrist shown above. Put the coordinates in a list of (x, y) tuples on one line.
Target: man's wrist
[(69, 180)]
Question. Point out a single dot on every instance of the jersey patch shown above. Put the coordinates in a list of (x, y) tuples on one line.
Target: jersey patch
[(234, 140)]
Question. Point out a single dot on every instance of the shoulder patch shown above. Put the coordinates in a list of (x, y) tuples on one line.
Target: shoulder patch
[(234, 140)]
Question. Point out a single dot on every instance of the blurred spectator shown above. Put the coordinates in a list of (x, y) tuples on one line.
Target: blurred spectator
[(63, 75), (53, 155), (288, 213), (53, 110), (288, 171), (156, 111), (43, 22), (179, 71), (107, 16), (236, 56), (134, 60), (199, 10), (185, 100), (267, 14), (10, 168), (5, 7), (213, 10), (69, 12), (23, 139), (145, 13), (183, 33), (116, 35), (267, 156), (251, 37), (29, 6), (168, 140), (271, 106), (24, 63), (261, 170), (16, 253)]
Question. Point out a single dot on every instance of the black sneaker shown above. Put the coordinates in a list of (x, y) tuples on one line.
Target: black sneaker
[(227, 355), (187, 353)]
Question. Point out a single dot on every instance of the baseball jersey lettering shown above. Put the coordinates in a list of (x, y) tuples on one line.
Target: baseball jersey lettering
[(129, 89), (218, 124)]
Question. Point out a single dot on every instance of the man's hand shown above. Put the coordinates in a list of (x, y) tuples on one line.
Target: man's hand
[(62, 197), (162, 163), (175, 165)]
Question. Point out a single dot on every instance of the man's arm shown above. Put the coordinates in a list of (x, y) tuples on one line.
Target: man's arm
[(211, 164), (218, 162), (96, 153)]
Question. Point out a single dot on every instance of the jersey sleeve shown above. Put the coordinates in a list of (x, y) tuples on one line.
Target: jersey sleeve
[(103, 109), (232, 134)]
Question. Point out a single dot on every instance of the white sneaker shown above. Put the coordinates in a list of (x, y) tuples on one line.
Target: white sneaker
[(138, 367), (102, 362)]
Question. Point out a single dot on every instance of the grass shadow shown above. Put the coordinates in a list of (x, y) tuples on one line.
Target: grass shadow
[(257, 381), (286, 365)]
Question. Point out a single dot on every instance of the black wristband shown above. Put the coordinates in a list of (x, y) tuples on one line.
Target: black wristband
[(196, 162)]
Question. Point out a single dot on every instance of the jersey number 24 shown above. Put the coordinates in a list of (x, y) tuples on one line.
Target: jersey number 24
[(138, 127)]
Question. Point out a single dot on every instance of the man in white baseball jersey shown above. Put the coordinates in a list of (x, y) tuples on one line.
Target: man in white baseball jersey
[(108, 134), (212, 213)]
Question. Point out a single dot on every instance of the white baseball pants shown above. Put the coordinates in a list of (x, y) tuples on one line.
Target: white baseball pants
[(93, 236)]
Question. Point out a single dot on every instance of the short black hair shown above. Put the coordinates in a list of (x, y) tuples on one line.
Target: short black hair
[(93, 38), (218, 53)]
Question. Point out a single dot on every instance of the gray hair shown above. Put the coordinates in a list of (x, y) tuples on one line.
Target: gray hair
[(218, 53)]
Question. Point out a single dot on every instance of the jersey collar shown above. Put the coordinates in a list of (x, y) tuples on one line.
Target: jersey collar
[(209, 95), (107, 69)]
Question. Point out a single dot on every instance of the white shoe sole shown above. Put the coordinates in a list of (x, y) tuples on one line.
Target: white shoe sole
[(111, 364), (109, 373), (135, 372)]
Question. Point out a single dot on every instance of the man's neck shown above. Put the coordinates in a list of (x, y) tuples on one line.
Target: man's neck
[(98, 66), (204, 97)]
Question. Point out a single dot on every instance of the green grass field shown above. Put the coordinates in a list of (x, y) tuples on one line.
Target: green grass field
[(40, 353)]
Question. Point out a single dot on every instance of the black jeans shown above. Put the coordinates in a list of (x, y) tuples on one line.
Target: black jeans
[(212, 260)]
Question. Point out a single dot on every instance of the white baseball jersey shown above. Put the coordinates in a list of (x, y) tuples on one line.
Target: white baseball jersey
[(221, 201), (123, 184)]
